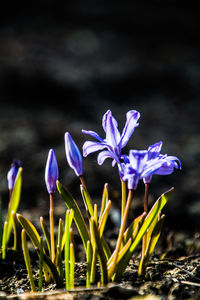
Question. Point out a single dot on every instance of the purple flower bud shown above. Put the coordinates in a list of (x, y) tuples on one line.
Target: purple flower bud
[(12, 173), (73, 155), (51, 172)]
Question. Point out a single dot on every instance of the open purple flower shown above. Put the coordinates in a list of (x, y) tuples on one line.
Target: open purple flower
[(51, 172), (143, 164), (12, 173), (114, 141), (73, 155)]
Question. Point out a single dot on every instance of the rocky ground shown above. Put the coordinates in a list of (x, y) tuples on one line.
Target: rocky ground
[(62, 67)]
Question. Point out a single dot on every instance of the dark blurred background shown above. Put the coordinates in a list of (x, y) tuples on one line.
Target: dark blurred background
[(64, 63)]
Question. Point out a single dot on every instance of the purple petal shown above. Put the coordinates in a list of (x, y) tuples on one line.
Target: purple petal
[(105, 120), (133, 182), (132, 117), (106, 154), (112, 133), (138, 159), (12, 173), (168, 166), (93, 134), (51, 172), (90, 147), (152, 166), (154, 150), (73, 155)]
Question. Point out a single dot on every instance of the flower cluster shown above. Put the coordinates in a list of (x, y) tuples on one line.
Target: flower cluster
[(139, 164), (135, 166)]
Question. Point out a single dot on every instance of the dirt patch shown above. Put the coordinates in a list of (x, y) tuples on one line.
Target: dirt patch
[(173, 277)]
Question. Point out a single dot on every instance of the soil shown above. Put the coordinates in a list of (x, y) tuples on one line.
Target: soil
[(176, 276), (61, 68)]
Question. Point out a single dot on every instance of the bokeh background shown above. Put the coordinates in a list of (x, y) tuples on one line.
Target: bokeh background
[(63, 64)]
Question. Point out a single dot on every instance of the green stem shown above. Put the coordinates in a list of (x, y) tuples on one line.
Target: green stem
[(41, 261), (120, 236), (89, 263), (72, 265), (123, 188), (67, 241), (146, 196)]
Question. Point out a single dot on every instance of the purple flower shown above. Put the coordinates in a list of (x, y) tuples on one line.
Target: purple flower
[(143, 164), (114, 141), (51, 172), (73, 155), (12, 173)]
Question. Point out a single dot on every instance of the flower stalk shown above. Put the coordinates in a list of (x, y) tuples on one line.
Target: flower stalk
[(51, 219)]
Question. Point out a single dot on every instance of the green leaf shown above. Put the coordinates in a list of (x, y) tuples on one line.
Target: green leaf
[(152, 240), (41, 261), (71, 216), (157, 207), (87, 200), (104, 200), (89, 264), (30, 230), (46, 234), (103, 219), (78, 218), (129, 231), (27, 260), (156, 234), (67, 251), (35, 238), (72, 265), (100, 252), (14, 203)]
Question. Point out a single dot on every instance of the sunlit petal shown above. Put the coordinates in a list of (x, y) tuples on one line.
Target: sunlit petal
[(90, 147), (93, 134), (132, 117)]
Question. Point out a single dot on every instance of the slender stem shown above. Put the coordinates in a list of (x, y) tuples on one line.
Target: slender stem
[(52, 228), (72, 265), (120, 236), (41, 262), (82, 180), (67, 252), (89, 263), (123, 187), (86, 198), (146, 196)]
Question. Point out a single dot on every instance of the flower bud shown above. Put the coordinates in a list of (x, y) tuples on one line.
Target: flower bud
[(73, 155), (12, 173), (51, 172)]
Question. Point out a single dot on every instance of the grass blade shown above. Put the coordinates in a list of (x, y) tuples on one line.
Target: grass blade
[(13, 205), (78, 218), (89, 264), (27, 261), (67, 251), (104, 200), (41, 261), (157, 207), (46, 234), (100, 252), (87, 201), (72, 265)]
